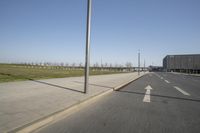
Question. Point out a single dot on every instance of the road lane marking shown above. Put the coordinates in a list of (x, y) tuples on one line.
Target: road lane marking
[(161, 77), (147, 94), (167, 81), (182, 91), (157, 75)]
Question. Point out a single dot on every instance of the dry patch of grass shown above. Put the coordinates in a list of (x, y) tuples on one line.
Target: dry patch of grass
[(12, 72)]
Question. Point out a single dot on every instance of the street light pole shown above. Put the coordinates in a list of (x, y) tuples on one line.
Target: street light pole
[(87, 52), (138, 62)]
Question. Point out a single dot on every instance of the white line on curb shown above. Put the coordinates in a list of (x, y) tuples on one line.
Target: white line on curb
[(182, 91)]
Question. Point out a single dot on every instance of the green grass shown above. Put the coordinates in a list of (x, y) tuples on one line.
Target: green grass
[(11, 72)]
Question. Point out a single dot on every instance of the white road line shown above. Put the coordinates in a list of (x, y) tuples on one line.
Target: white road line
[(161, 77), (182, 91), (167, 81), (147, 94), (157, 75)]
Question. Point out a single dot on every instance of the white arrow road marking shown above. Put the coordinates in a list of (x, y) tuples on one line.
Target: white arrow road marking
[(167, 81), (182, 91), (147, 94)]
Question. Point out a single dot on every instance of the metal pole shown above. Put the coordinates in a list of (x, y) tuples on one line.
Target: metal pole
[(87, 52), (139, 62), (101, 64)]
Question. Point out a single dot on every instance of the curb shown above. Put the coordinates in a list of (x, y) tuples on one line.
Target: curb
[(32, 126), (127, 83)]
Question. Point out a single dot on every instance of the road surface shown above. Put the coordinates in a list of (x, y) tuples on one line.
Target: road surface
[(155, 103)]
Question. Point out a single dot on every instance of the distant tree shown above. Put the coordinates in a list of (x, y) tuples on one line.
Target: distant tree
[(61, 64), (73, 65), (97, 64), (66, 64), (128, 64), (116, 65), (106, 64), (80, 64)]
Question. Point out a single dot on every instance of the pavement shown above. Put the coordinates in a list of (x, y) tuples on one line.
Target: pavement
[(25, 103), (156, 103)]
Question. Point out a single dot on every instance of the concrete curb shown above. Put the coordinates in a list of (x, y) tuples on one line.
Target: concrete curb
[(126, 83), (32, 126)]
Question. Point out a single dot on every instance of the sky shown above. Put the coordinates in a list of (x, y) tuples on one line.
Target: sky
[(55, 30)]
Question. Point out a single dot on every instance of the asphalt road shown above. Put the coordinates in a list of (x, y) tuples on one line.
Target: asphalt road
[(169, 104)]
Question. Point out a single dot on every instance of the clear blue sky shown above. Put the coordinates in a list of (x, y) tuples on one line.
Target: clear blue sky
[(54, 30)]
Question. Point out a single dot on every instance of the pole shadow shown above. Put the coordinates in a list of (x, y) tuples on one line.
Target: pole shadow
[(42, 82), (95, 85)]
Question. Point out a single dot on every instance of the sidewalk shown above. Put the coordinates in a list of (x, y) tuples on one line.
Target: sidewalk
[(27, 101)]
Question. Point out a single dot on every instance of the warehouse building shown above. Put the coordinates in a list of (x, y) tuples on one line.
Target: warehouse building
[(182, 63)]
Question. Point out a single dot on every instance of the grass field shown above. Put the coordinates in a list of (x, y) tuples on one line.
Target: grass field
[(11, 72)]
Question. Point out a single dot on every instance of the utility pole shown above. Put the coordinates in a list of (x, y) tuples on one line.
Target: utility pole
[(87, 52), (101, 64), (138, 62)]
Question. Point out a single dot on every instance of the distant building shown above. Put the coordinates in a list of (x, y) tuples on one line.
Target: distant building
[(182, 63), (155, 68)]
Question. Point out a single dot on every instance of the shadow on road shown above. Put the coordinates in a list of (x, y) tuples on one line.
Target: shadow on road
[(162, 96), (42, 82)]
